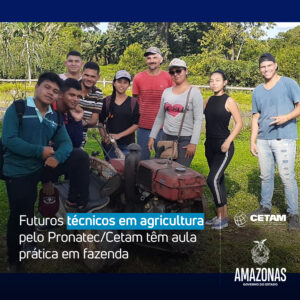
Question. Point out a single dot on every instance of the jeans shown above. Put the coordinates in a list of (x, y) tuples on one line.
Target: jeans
[(142, 140), (283, 153), (110, 150)]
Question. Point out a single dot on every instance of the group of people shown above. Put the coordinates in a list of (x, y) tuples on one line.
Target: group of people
[(51, 137)]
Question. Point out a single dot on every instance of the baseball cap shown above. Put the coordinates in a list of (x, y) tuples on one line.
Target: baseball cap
[(266, 57), (123, 74), (176, 62), (152, 50)]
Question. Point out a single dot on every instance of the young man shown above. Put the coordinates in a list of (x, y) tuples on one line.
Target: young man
[(27, 152), (275, 107), (73, 64), (148, 87), (92, 97)]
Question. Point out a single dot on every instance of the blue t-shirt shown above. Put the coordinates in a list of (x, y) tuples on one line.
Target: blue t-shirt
[(277, 101)]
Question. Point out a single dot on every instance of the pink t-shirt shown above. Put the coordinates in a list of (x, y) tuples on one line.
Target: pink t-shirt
[(149, 90)]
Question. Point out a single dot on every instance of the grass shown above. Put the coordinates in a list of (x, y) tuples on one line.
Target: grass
[(215, 251)]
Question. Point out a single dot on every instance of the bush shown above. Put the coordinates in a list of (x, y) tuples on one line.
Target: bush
[(133, 59)]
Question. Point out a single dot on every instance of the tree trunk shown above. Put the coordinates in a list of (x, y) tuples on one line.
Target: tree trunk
[(28, 61)]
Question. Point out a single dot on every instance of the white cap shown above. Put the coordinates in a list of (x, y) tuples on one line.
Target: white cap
[(176, 62)]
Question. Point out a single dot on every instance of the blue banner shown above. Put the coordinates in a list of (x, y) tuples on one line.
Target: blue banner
[(135, 221)]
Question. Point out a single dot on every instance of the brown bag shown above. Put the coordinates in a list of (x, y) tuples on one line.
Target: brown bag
[(170, 150)]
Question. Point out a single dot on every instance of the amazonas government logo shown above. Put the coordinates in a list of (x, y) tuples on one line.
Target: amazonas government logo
[(260, 252)]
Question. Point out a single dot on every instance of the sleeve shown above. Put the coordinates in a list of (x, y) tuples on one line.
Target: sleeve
[(103, 114), (136, 114), (254, 103), (197, 115), (159, 120), (63, 143), (294, 91), (11, 139), (135, 88)]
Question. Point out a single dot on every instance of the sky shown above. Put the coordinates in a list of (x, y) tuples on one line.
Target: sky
[(271, 33)]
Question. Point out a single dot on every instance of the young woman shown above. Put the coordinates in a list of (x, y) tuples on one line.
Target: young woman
[(121, 114), (219, 146), (171, 111)]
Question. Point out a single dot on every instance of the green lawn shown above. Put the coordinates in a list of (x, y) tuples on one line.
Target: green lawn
[(215, 251)]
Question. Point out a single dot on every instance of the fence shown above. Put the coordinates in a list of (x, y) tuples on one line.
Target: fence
[(105, 82)]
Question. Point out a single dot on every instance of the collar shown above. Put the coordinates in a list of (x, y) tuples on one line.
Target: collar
[(31, 103)]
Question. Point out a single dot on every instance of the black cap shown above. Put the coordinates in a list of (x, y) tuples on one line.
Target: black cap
[(266, 57)]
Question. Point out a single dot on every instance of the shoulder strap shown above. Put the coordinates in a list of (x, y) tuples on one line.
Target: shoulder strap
[(20, 109), (133, 102), (185, 109), (107, 103)]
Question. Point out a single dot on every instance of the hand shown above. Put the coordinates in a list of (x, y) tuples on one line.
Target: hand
[(115, 136), (253, 149), (47, 152), (105, 139), (77, 113), (48, 188), (279, 120), (190, 150), (150, 144), (225, 146), (51, 162)]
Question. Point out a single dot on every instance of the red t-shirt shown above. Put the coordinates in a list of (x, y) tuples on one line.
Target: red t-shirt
[(149, 90)]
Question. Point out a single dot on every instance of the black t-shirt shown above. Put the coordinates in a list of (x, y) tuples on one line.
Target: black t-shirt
[(123, 118)]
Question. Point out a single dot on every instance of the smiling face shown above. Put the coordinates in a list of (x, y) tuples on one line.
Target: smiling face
[(153, 61), (89, 78), (178, 74), (268, 69), (217, 83), (73, 64), (47, 92), (121, 85), (71, 98)]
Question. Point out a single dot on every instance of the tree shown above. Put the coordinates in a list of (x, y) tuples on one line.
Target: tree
[(133, 59), (228, 39)]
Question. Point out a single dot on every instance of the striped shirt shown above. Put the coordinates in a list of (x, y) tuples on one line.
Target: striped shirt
[(149, 90)]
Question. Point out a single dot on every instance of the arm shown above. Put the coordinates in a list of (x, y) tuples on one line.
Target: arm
[(126, 132), (64, 145), (232, 107), (92, 121), (279, 120), (159, 120), (254, 133), (197, 116)]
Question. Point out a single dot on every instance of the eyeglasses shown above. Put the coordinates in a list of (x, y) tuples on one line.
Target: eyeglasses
[(177, 71)]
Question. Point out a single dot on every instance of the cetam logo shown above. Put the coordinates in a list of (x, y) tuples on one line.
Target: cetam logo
[(240, 219)]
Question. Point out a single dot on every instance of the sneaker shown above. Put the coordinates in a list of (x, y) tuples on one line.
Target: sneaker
[(223, 223), (293, 221), (212, 221), (261, 211)]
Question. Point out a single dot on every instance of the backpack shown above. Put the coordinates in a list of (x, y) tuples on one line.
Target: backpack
[(20, 109)]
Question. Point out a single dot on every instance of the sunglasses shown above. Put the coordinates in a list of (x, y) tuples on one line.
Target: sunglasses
[(177, 71)]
